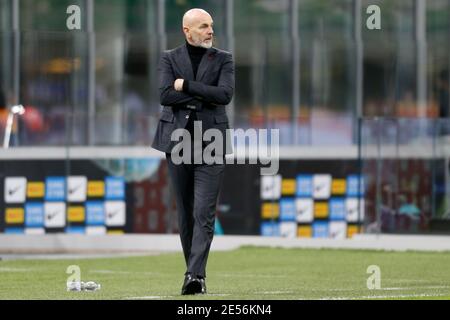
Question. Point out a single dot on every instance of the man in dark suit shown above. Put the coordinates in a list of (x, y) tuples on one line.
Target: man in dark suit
[(196, 84)]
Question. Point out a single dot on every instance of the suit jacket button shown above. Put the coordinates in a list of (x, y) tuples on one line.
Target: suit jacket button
[(187, 116)]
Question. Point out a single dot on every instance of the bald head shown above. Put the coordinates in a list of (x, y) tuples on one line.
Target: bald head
[(198, 28), (193, 15)]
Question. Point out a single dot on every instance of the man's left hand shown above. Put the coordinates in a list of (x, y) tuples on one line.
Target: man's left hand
[(178, 85)]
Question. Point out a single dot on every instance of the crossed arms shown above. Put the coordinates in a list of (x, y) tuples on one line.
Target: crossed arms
[(196, 91)]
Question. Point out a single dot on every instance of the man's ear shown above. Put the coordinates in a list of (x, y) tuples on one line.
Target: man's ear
[(185, 30)]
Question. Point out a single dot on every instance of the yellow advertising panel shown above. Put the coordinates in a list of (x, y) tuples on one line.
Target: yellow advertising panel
[(321, 210), (270, 210), (35, 189), (338, 186), (75, 214), (288, 187), (304, 232), (96, 189), (15, 215), (352, 230)]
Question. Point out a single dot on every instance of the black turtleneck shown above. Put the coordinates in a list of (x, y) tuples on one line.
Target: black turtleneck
[(196, 55)]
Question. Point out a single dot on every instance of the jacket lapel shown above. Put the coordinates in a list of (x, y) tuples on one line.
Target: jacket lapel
[(206, 61), (185, 63)]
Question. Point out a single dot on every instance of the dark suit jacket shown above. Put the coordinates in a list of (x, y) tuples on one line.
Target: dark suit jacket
[(208, 94)]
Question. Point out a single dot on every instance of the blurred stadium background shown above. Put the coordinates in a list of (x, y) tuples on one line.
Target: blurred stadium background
[(363, 117)]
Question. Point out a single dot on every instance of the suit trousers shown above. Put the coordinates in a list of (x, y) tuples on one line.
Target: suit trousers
[(197, 188)]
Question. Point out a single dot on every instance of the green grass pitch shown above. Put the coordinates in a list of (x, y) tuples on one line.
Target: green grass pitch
[(247, 273)]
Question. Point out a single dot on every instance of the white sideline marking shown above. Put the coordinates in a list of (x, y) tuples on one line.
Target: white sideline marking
[(250, 275), (422, 295), (386, 297), (415, 288), (163, 297), (125, 272), (392, 289), (109, 272), (405, 280), (216, 294), (6, 269), (148, 297), (274, 292)]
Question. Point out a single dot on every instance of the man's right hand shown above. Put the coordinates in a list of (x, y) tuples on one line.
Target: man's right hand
[(178, 85)]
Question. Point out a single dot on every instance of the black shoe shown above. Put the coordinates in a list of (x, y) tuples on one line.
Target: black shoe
[(191, 285), (203, 283)]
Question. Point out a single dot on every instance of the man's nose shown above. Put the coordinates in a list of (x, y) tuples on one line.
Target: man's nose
[(210, 31)]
